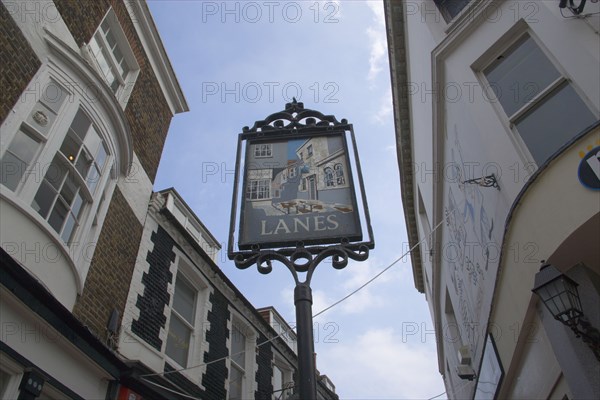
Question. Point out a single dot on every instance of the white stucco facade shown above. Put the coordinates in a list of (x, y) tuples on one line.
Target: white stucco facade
[(477, 269)]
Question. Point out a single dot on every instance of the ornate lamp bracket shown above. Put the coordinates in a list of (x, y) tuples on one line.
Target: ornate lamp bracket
[(484, 181), (302, 259)]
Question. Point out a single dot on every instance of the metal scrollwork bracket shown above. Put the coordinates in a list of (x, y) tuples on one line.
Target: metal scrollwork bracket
[(302, 259)]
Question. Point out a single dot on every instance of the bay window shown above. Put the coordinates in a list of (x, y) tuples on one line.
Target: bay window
[(71, 178)]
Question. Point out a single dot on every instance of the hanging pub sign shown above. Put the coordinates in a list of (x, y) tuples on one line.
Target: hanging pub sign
[(297, 183)]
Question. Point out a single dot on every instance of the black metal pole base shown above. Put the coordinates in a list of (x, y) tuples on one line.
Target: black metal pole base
[(303, 260), (306, 348)]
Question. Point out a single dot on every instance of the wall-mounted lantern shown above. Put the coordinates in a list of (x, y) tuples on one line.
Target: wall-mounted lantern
[(559, 294)]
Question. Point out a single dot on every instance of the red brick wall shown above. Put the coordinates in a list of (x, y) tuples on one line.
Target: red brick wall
[(107, 283), (149, 116), (18, 62), (147, 112)]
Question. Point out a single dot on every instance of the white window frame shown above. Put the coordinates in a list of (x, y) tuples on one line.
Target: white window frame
[(87, 194), (126, 83), (339, 173), (439, 4), (15, 372), (309, 150), (329, 177), (189, 325), (263, 150), (506, 43), (292, 172), (287, 377), (75, 98), (191, 275), (262, 186), (248, 380)]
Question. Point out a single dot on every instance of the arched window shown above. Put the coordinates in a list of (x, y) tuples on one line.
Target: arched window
[(339, 174), (329, 182)]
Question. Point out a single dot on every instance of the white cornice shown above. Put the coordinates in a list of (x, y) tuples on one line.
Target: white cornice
[(148, 34)]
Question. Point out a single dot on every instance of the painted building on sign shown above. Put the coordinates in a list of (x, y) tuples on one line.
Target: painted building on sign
[(298, 190), (497, 127)]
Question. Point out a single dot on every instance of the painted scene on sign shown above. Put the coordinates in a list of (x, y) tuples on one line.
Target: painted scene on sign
[(298, 190)]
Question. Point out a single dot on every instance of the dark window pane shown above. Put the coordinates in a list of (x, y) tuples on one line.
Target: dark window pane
[(115, 83), (520, 74), (58, 215), (11, 171), (235, 383), (105, 25), (277, 379), (553, 122), (178, 341), (238, 346), (70, 146), (43, 199), (112, 43), (101, 156), (118, 55), (69, 229), (92, 179), (84, 162), (4, 379), (450, 8), (80, 124), (23, 146), (53, 96), (69, 189), (77, 206), (55, 173), (184, 299)]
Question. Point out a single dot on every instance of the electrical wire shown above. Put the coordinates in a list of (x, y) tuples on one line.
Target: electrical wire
[(281, 334), (170, 390), (435, 397), (378, 274)]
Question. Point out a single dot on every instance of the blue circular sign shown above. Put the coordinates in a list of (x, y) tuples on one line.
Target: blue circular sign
[(589, 169)]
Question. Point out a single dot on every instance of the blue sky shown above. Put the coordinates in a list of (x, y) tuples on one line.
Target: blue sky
[(238, 62)]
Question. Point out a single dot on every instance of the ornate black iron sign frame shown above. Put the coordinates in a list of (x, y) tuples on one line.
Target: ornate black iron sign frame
[(291, 157), (306, 151)]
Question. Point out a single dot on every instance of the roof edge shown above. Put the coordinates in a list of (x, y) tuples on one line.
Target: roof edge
[(395, 24)]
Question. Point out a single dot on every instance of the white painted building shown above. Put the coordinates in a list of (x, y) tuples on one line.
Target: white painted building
[(507, 90), (188, 331)]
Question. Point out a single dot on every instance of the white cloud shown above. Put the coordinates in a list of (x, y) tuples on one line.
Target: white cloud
[(377, 39), (377, 364), (384, 112), (370, 297)]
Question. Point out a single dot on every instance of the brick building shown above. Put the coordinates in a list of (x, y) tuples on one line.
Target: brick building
[(189, 328), (96, 271), (88, 94)]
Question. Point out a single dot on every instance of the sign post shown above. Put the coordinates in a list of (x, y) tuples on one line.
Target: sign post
[(298, 205)]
